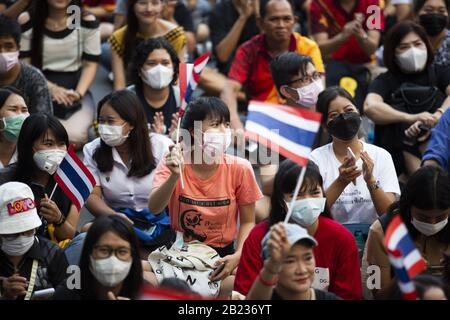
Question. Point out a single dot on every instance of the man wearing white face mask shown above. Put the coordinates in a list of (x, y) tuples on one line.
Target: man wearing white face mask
[(28, 79), (28, 263), (154, 74)]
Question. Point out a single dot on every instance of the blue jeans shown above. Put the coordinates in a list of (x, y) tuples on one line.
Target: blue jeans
[(105, 58), (74, 248)]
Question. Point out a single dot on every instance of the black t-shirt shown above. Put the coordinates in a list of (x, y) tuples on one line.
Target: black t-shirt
[(183, 17), (385, 84), (52, 264), (221, 20), (168, 109), (320, 295)]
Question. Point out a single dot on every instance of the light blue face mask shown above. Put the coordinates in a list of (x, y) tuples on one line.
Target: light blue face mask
[(12, 126), (307, 211)]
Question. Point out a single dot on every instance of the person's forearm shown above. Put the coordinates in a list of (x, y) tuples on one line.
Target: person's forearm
[(431, 162), (402, 11), (446, 104), (244, 230), (99, 12), (334, 192), (381, 200), (229, 96), (16, 9), (65, 231), (228, 44), (327, 47), (190, 42), (382, 113), (259, 290), (97, 206), (119, 75), (87, 77), (159, 198), (369, 45), (119, 21)]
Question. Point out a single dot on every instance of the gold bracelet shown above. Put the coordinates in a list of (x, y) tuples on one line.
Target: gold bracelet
[(441, 110)]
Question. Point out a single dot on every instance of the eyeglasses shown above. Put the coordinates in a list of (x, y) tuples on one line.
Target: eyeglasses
[(305, 80), (104, 252)]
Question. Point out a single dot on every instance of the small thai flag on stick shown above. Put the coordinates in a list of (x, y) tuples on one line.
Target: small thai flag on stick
[(74, 179)]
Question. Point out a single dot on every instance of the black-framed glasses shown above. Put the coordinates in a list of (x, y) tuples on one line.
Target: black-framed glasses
[(306, 79), (104, 252)]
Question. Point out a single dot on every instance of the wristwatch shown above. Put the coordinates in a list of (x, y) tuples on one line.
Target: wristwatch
[(373, 186)]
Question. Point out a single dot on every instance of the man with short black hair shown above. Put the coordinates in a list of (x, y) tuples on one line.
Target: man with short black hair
[(29, 80)]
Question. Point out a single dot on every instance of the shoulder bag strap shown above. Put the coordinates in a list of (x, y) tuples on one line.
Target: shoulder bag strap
[(32, 279)]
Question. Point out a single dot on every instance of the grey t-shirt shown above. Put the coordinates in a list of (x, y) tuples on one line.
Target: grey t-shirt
[(33, 85)]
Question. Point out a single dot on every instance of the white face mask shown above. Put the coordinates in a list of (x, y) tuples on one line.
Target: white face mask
[(307, 95), (8, 60), (112, 135), (18, 246), (429, 229), (109, 272), (413, 59), (158, 77), (49, 160), (216, 143), (306, 211)]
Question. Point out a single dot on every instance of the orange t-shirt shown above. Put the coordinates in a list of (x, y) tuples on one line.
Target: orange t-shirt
[(207, 210)]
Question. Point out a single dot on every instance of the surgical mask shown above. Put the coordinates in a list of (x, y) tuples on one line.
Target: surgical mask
[(49, 160), (433, 23), (307, 211), (345, 126), (109, 272), (307, 95), (8, 60), (17, 246), (158, 77), (429, 229), (216, 143), (12, 126), (112, 135), (413, 59)]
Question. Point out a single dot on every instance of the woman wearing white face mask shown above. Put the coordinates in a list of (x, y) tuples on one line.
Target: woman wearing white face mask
[(28, 263), (13, 112), (110, 267), (41, 147), (124, 158), (425, 208), (216, 186), (154, 73), (409, 99), (337, 258)]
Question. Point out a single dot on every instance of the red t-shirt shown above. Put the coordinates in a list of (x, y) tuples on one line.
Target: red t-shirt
[(328, 16), (337, 251), (251, 65)]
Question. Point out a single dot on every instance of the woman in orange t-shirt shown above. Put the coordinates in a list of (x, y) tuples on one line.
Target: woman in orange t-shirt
[(217, 187)]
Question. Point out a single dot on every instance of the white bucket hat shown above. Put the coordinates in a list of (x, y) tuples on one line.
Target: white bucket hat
[(17, 208)]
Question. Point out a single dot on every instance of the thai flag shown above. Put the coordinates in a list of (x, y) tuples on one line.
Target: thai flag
[(74, 179), (189, 79), (404, 256), (287, 130)]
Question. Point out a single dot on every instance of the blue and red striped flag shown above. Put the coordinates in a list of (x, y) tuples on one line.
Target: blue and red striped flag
[(287, 130), (404, 256), (189, 76), (74, 178)]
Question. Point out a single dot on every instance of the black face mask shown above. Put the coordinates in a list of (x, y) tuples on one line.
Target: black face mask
[(433, 23), (345, 126)]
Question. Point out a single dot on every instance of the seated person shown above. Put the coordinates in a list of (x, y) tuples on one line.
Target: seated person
[(28, 79), (251, 66), (28, 263), (288, 254)]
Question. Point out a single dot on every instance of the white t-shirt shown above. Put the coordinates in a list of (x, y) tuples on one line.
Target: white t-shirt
[(355, 204), (119, 190), (394, 2), (11, 161)]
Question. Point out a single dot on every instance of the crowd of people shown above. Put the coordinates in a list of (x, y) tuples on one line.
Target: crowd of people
[(193, 214)]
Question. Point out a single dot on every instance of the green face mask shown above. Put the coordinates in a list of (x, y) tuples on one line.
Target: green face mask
[(12, 126)]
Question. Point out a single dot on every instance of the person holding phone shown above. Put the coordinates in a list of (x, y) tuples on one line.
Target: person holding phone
[(28, 263), (376, 186)]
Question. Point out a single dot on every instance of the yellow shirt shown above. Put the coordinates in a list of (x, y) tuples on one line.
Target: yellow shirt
[(175, 37)]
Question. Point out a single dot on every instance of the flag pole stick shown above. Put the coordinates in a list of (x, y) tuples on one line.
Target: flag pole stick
[(177, 142), (53, 192), (296, 191)]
